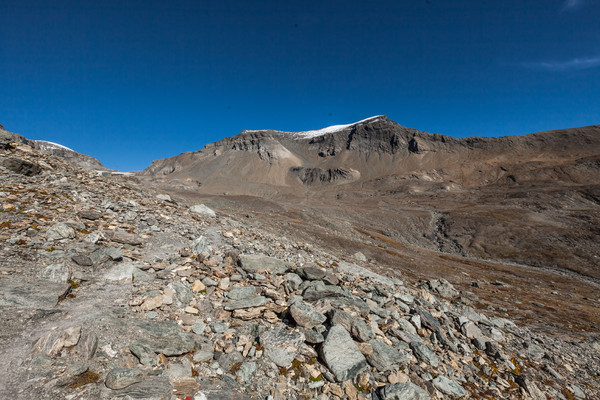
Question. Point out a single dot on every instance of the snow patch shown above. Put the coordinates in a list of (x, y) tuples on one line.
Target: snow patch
[(47, 144), (318, 132), (332, 129)]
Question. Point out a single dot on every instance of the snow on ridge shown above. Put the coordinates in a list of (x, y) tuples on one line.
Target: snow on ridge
[(318, 132), (52, 144), (332, 129)]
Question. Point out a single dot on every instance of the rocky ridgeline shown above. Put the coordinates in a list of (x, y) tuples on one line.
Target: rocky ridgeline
[(110, 291)]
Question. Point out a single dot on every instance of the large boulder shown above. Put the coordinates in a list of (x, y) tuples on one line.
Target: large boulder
[(258, 263), (341, 355)]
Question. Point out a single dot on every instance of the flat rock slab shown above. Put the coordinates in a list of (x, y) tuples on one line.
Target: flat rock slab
[(353, 269), (120, 378), (242, 292), (403, 391), (448, 386), (384, 357), (127, 271), (164, 337), (126, 238), (281, 346), (24, 292), (306, 315), (341, 355), (250, 302), (153, 387), (254, 263)]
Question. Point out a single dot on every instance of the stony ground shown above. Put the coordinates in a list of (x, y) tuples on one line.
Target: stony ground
[(109, 290)]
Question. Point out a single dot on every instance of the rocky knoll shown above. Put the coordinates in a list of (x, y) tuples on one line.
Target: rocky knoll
[(109, 290)]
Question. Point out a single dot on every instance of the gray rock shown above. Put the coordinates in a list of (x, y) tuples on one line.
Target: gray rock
[(534, 351), (59, 273), (406, 326), (202, 355), (428, 320), (293, 281), (198, 327), (306, 314), (242, 292), (261, 263), (60, 231), (177, 371), (87, 345), (82, 260), (218, 327), (355, 270), (164, 337), (339, 317), (202, 210), (403, 391), (351, 301), (384, 357), (250, 302), (359, 256), (106, 253), (200, 245), (424, 353), (281, 346), (126, 238), (90, 214), (448, 386), (494, 350), (119, 378), (470, 330), (313, 272), (143, 354), (246, 371), (361, 331), (318, 290), (20, 166), (228, 360), (313, 337), (163, 197), (341, 355), (127, 271), (183, 293), (443, 288)]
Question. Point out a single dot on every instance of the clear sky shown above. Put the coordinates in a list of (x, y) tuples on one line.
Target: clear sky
[(130, 81)]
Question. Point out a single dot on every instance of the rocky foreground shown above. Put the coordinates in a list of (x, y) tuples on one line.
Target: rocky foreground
[(108, 290)]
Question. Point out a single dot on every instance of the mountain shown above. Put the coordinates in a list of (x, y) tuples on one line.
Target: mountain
[(531, 199), (376, 148)]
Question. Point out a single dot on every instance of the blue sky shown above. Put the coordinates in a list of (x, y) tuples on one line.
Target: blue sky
[(130, 81)]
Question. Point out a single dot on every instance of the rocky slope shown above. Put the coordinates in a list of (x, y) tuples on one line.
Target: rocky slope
[(83, 160), (110, 290)]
